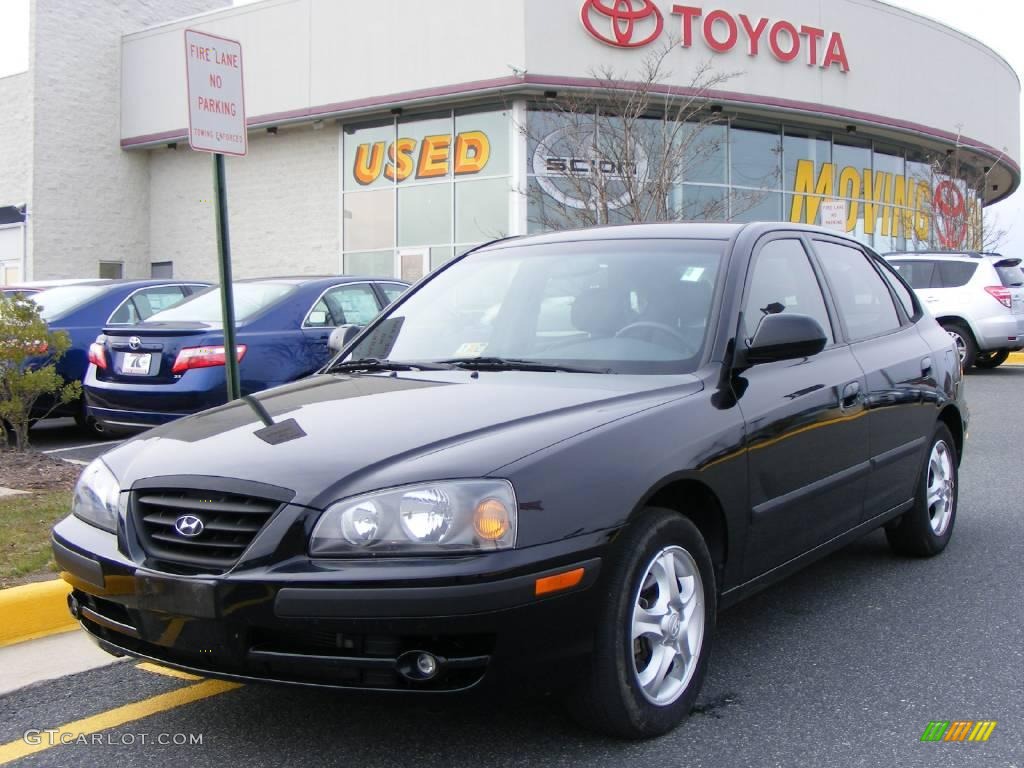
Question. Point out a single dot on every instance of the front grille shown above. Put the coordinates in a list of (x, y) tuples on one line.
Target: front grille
[(230, 523)]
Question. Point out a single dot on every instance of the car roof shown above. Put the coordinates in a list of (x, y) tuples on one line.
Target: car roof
[(318, 279), (954, 255), (128, 283), (666, 230)]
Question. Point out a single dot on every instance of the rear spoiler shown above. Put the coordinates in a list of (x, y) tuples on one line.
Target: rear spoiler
[(1007, 263)]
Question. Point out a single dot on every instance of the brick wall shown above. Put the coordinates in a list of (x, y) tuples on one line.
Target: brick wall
[(89, 199), (15, 139), (283, 198)]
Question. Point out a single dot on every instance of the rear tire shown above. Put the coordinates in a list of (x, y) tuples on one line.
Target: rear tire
[(926, 528), (992, 359), (966, 346), (654, 636)]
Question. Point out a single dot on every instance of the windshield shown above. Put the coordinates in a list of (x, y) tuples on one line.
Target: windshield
[(205, 307), (54, 303), (622, 306)]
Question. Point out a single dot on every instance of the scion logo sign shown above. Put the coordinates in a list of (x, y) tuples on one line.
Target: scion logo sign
[(568, 154), (636, 23), (623, 23)]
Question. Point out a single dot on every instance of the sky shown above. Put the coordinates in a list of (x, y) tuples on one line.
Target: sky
[(996, 23)]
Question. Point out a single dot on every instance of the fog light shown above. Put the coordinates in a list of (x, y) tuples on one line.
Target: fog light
[(73, 606), (427, 665), (419, 666)]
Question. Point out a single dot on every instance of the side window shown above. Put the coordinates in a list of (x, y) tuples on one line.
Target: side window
[(392, 290), (319, 316), (352, 304), (902, 293), (863, 300), (918, 272), (782, 280), (153, 300), (126, 314), (955, 274)]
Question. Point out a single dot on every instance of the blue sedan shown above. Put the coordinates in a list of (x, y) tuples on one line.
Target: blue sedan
[(173, 364), (83, 309)]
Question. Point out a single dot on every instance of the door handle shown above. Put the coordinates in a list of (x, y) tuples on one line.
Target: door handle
[(851, 395), (926, 365)]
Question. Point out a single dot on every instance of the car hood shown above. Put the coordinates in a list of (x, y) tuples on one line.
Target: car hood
[(331, 436)]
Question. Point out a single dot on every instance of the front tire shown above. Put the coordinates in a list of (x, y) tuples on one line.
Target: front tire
[(926, 528), (654, 638), (993, 359)]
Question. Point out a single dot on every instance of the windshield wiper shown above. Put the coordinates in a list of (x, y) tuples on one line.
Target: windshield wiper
[(516, 364), (373, 364)]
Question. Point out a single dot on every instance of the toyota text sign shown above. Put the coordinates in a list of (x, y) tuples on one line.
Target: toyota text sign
[(216, 97)]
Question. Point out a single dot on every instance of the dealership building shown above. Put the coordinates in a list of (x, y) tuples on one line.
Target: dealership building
[(384, 138)]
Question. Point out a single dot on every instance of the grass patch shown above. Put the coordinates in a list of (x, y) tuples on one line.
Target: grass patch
[(25, 523)]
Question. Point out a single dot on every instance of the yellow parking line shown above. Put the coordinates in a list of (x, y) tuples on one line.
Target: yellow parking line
[(15, 750), (148, 666)]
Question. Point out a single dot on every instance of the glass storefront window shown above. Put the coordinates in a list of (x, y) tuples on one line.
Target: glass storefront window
[(374, 264), (755, 155), (369, 220), (482, 143), (424, 214), (755, 205), (698, 202), (800, 145), (704, 156), (365, 155), (481, 210)]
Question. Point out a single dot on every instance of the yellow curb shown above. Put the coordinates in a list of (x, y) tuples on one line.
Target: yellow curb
[(33, 611), (1016, 358)]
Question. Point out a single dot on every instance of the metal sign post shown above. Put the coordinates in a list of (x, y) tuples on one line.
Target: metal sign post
[(227, 298), (216, 123)]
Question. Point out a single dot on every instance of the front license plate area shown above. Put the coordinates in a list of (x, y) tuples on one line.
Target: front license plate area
[(182, 597), (136, 363)]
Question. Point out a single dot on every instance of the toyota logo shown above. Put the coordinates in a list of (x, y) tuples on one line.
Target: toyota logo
[(134, 342), (616, 22), (189, 526)]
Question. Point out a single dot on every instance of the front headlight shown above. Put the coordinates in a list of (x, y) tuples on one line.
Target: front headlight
[(97, 495), (427, 518)]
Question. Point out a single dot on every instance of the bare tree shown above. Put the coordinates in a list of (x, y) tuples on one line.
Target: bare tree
[(619, 150)]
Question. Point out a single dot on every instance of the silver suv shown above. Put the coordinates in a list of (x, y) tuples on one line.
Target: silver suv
[(977, 297)]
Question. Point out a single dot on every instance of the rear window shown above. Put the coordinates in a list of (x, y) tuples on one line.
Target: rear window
[(55, 303), (924, 273), (1011, 276), (250, 299)]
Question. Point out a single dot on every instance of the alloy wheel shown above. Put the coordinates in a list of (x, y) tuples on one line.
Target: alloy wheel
[(941, 490), (667, 625)]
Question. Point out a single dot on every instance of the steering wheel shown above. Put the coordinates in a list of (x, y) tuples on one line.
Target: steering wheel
[(654, 326)]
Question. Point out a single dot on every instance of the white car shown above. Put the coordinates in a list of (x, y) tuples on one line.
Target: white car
[(977, 297)]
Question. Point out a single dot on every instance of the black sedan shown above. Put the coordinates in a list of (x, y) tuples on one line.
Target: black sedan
[(557, 453)]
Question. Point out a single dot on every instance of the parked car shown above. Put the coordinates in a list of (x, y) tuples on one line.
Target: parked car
[(977, 297), (172, 365), (17, 290), (83, 308), (452, 501)]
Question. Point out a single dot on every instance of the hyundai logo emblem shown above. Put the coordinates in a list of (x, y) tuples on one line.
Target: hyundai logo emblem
[(189, 525), (134, 342)]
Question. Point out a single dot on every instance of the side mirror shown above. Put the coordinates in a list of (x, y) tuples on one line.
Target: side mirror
[(786, 336), (341, 336)]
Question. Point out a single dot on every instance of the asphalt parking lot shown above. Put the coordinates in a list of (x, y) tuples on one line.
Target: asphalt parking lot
[(844, 664)]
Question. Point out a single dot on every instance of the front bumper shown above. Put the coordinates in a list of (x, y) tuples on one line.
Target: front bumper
[(339, 624)]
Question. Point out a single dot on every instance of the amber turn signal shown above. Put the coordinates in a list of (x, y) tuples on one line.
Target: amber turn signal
[(558, 582), (491, 520)]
